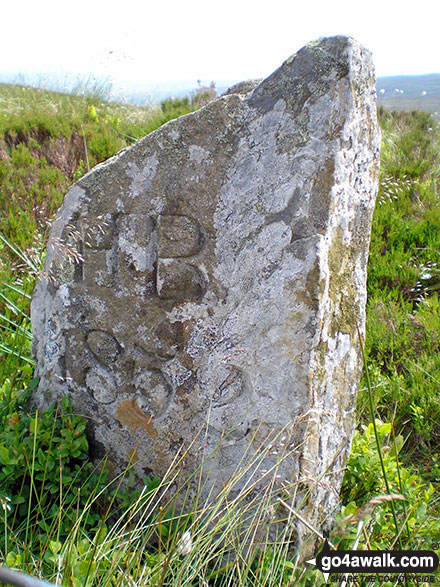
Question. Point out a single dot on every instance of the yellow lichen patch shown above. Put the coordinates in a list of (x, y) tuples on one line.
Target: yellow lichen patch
[(130, 414), (342, 287)]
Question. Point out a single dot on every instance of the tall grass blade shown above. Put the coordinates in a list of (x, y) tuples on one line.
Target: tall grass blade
[(376, 435), (25, 258)]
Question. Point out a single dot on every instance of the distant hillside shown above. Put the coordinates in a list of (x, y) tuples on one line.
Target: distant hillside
[(412, 92), (141, 93)]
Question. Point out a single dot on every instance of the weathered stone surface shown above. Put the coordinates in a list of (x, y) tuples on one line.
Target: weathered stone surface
[(223, 278)]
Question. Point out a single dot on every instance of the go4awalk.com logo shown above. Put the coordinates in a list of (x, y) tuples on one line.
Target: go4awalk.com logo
[(374, 561)]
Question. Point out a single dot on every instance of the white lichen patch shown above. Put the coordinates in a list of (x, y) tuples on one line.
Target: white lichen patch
[(198, 154), (158, 204), (177, 373), (174, 134), (64, 295), (141, 176), (102, 384)]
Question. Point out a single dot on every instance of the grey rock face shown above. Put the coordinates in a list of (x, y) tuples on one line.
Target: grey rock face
[(222, 278)]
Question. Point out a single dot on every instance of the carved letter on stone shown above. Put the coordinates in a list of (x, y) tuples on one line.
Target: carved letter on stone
[(179, 236), (104, 346), (225, 289)]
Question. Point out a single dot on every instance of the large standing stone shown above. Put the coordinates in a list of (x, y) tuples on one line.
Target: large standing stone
[(222, 278)]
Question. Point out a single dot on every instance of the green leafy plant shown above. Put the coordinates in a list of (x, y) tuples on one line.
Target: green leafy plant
[(43, 459), (367, 495)]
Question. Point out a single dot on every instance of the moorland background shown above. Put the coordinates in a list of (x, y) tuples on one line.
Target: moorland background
[(64, 520)]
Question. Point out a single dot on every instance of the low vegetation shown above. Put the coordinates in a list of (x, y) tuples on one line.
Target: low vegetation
[(62, 519)]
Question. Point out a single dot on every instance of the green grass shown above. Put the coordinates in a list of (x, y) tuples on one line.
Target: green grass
[(403, 318), (63, 520), (48, 140)]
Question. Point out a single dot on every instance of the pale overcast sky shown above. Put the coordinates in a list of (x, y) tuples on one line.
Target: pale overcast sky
[(170, 40)]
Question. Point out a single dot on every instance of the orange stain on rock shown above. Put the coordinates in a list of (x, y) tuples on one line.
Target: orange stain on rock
[(130, 414)]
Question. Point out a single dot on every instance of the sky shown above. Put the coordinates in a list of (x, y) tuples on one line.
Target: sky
[(135, 41)]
